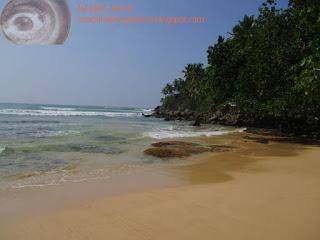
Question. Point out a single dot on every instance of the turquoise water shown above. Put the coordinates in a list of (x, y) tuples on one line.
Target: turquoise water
[(39, 141)]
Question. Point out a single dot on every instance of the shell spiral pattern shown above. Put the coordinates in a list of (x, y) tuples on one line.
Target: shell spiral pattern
[(36, 21)]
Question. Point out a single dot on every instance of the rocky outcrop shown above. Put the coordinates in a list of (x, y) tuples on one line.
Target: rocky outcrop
[(163, 152), (227, 114), (230, 115), (179, 149), (197, 122)]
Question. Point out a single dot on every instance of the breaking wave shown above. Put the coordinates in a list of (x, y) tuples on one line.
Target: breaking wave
[(66, 112), (189, 132)]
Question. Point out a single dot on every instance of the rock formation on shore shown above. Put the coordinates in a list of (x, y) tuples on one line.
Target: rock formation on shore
[(180, 149)]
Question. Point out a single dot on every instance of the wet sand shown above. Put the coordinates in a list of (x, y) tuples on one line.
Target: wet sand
[(267, 190)]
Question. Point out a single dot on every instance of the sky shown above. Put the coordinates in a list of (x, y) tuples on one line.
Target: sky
[(124, 65)]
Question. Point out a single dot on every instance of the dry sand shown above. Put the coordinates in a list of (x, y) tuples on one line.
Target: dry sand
[(256, 191)]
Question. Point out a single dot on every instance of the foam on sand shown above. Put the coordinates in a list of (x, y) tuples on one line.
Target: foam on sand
[(187, 133)]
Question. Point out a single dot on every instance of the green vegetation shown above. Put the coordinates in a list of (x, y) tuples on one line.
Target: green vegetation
[(269, 67)]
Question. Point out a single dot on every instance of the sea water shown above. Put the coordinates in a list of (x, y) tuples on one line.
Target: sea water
[(51, 144)]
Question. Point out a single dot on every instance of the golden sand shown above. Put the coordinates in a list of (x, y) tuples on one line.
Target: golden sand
[(256, 191)]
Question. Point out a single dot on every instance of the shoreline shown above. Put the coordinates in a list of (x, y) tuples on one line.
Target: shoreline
[(267, 179), (231, 115)]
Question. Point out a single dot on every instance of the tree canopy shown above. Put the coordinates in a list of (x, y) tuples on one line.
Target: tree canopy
[(269, 65)]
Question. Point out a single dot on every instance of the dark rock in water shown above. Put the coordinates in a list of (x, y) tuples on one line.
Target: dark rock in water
[(214, 118), (164, 152), (179, 149), (232, 114), (266, 132), (174, 143), (147, 115), (157, 109), (81, 148), (272, 135), (187, 113), (232, 119), (197, 122), (98, 149), (110, 138), (92, 149)]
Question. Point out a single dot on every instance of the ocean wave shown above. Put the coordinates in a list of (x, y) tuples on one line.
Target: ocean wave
[(53, 113), (36, 133), (4, 151), (55, 178), (52, 133), (30, 121), (58, 108), (149, 110), (170, 133)]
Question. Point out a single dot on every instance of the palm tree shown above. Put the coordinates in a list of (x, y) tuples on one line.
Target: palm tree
[(242, 30), (167, 90)]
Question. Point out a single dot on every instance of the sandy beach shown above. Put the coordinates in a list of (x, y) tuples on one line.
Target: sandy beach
[(258, 190), (160, 120)]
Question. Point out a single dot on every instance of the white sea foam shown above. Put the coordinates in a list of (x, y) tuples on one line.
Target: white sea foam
[(148, 111), (43, 112), (170, 133), (55, 178), (58, 109), (49, 133), (2, 149)]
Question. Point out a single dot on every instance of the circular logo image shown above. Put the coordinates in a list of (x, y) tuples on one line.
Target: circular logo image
[(36, 21)]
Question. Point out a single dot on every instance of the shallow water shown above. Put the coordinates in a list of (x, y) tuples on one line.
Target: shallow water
[(51, 144)]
